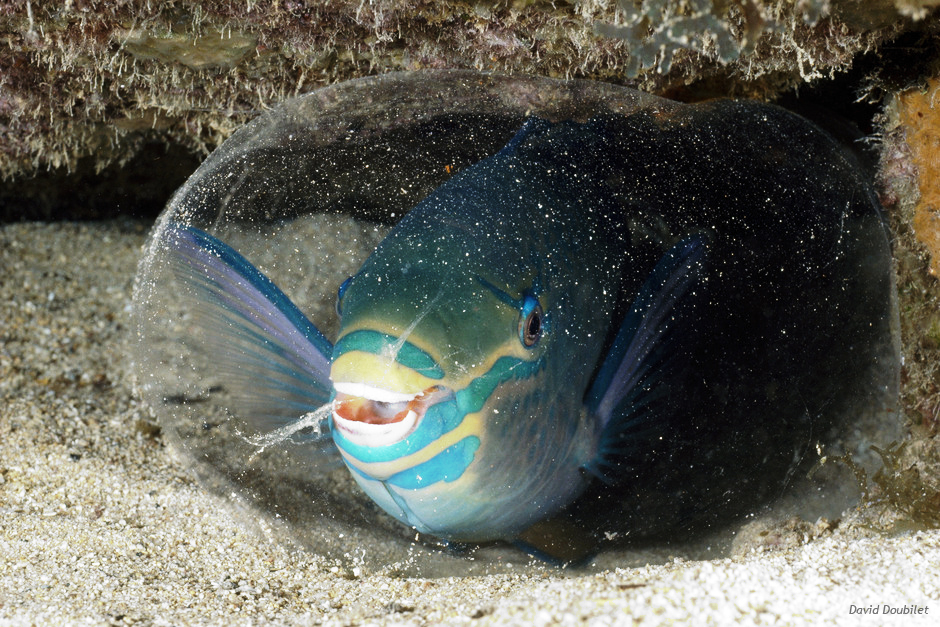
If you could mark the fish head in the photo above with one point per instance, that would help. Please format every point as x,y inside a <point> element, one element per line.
<point>458,400</point>
<point>409,338</point>
<point>431,361</point>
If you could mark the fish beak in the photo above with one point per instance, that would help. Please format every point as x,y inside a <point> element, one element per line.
<point>371,416</point>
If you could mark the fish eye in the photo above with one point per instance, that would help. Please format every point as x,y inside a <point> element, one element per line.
<point>340,293</point>
<point>530,324</point>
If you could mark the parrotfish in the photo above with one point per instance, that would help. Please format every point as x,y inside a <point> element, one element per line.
<point>626,323</point>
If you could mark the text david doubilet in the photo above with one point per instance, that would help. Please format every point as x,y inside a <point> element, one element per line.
<point>886,608</point>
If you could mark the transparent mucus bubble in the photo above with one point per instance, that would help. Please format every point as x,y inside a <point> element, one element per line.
<point>306,191</point>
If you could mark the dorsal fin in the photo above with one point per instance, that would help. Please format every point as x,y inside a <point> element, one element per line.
<point>532,126</point>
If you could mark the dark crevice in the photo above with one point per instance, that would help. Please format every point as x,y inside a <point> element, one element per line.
<point>138,189</point>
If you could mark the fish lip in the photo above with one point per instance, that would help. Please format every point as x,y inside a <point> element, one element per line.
<point>374,430</point>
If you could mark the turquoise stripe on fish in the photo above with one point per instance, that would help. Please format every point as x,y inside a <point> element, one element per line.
<point>408,355</point>
<point>447,466</point>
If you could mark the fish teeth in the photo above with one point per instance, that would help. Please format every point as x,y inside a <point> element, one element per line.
<point>372,393</point>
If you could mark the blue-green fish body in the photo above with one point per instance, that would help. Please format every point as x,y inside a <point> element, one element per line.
<point>493,298</point>
<point>629,323</point>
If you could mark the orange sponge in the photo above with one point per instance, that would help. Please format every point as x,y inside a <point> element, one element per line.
<point>920,115</point>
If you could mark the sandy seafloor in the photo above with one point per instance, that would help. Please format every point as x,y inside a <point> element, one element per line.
<point>102,524</point>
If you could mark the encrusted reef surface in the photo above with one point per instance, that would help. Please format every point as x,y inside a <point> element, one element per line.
<point>107,105</point>
<point>85,84</point>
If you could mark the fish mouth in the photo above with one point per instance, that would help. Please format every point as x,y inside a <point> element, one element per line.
<point>371,416</point>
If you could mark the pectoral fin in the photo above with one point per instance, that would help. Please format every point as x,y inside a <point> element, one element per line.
<point>273,361</point>
<point>647,351</point>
